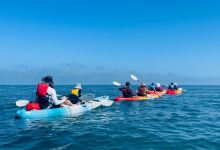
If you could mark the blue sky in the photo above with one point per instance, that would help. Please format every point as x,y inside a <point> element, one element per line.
<point>95,42</point>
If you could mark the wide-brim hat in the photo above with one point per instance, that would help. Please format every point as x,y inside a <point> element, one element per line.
<point>142,84</point>
<point>157,84</point>
<point>78,86</point>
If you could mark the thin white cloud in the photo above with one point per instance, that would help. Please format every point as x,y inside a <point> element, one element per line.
<point>71,73</point>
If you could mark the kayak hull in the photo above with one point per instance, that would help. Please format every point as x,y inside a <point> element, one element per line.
<point>157,93</point>
<point>63,111</point>
<point>136,98</point>
<point>175,92</point>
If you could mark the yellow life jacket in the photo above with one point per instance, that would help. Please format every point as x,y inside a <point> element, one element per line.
<point>75,91</point>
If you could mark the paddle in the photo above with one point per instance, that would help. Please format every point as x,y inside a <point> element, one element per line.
<point>103,99</point>
<point>133,77</point>
<point>87,96</point>
<point>116,83</point>
<point>21,103</point>
<point>106,102</point>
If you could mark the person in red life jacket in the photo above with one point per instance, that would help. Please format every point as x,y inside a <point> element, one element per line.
<point>158,88</point>
<point>142,90</point>
<point>46,95</point>
<point>126,91</point>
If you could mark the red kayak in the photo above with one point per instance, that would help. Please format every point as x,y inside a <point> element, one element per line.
<point>174,92</point>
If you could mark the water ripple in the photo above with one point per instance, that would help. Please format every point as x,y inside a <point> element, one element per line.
<point>187,121</point>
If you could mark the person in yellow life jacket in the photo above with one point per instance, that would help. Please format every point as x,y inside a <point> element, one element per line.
<point>75,94</point>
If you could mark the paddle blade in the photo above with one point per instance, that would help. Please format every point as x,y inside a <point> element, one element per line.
<point>88,96</point>
<point>106,102</point>
<point>21,103</point>
<point>181,89</point>
<point>101,98</point>
<point>116,83</point>
<point>133,77</point>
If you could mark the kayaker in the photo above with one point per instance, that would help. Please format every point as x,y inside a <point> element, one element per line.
<point>126,91</point>
<point>171,87</point>
<point>75,94</point>
<point>175,86</point>
<point>158,87</point>
<point>142,90</point>
<point>152,87</point>
<point>46,95</point>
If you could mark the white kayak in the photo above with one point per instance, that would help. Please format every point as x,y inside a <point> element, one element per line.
<point>66,110</point>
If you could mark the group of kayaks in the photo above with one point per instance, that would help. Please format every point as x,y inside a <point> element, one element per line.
<point>150,95</point>
<point>88,105</point>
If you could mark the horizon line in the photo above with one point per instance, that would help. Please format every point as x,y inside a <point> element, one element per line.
<point>106,84</point>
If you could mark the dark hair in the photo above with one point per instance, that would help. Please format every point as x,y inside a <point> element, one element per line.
<point>127,83</point>
<point>48,79</point>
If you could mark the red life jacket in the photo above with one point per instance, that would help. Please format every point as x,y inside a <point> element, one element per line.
<point>42,89</point>
<point>142,90</point>
<point>126,92</point>
<point>159,89</point>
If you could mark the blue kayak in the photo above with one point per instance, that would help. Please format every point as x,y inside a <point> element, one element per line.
<point>66,110</point>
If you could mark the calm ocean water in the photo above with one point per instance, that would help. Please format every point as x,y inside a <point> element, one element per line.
<point>187,121</point>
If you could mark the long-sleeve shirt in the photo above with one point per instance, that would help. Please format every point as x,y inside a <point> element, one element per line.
<point>53,96</point>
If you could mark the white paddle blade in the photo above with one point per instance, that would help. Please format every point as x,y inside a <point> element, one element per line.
<point>21,103</point>
<point>101,98</point>
<point>181,89</point>
<point>106,102</point>
<point>133,77</point>
<point>116,83</point>
<point>87,97</point>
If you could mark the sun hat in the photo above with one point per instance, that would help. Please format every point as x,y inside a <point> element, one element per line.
<point>78,86</point>
<point>158,85</point>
